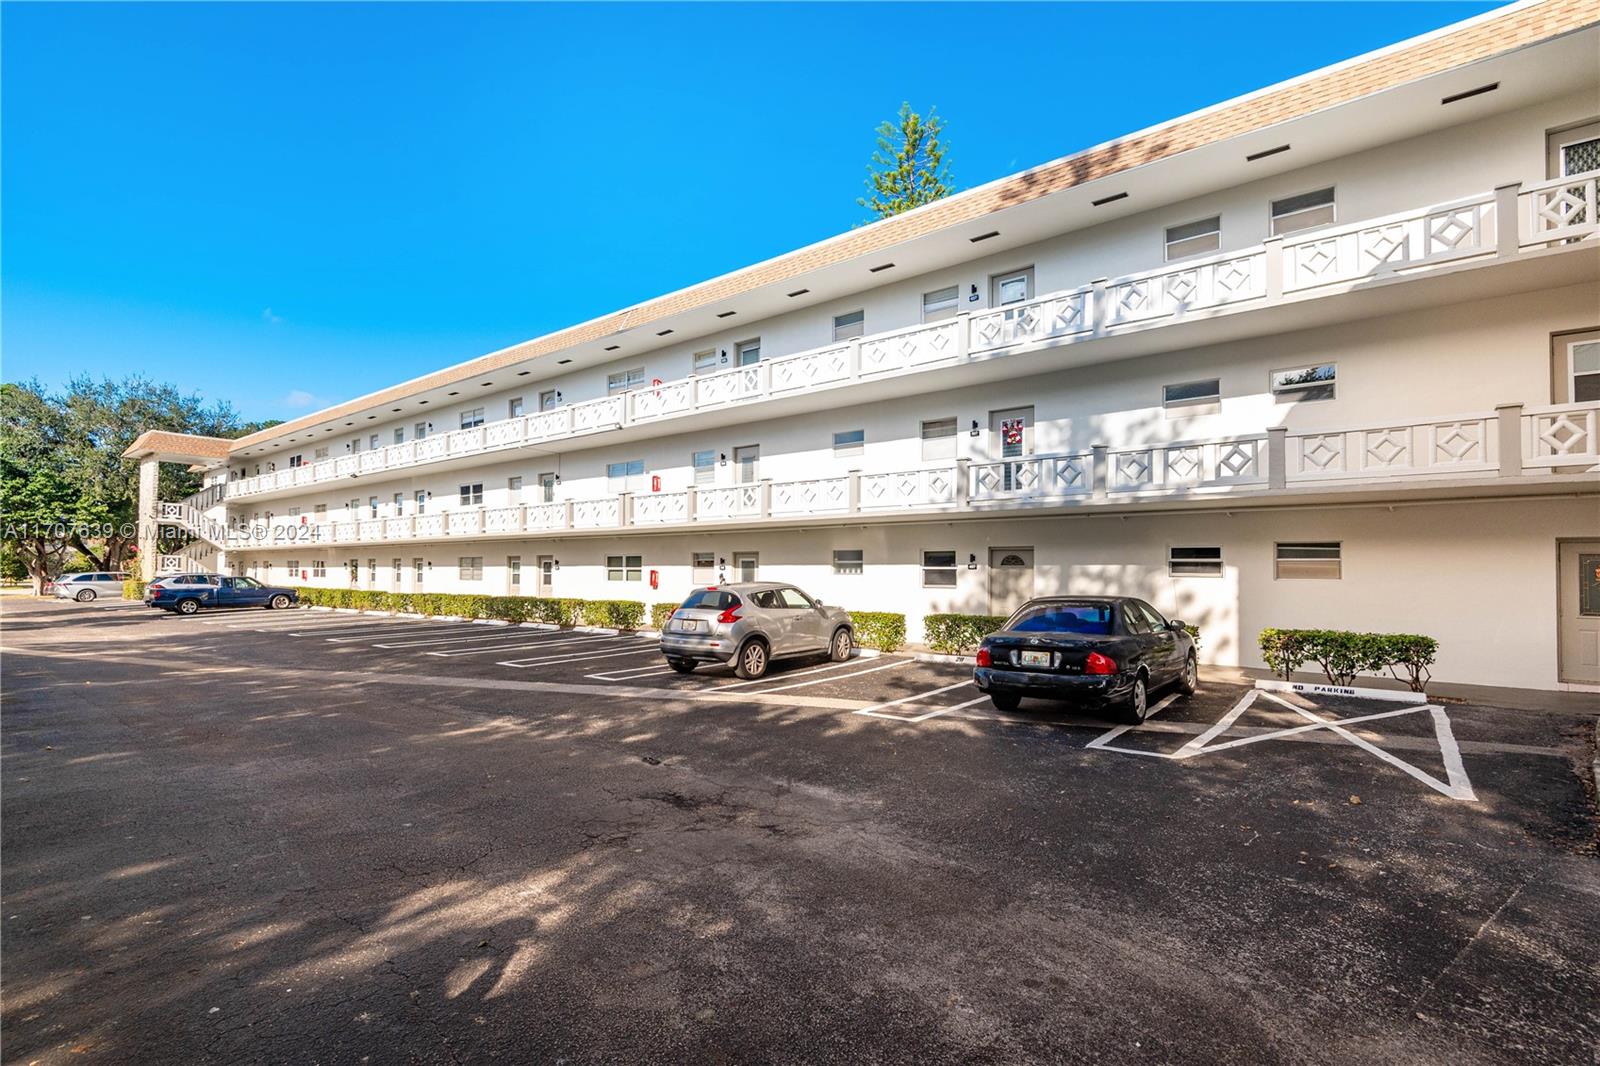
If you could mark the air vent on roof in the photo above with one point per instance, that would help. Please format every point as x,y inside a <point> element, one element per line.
<point>874,270</point>
<point>984,236</point>
<point>452,394</point>
<point>1479,91</point>
<point>1253,156</point>
<point>421,402</point>
<point>662,332</point>
<point>798,292</point>
<point>524,373</point>
<point>563,362</point>
<point>1113,198</point>
<point>613,348</point>
<point>395,410</point>
<point>726,314</point>
<point>485,384</point>
<point>371,417</point>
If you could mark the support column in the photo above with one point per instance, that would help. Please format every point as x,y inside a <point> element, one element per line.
<point>149,488</point>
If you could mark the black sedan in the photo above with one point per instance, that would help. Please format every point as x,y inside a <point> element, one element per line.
<point>1107,650</point>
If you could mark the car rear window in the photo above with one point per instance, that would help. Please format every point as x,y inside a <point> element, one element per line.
<point>711,599</point>
<point>1092,619</point>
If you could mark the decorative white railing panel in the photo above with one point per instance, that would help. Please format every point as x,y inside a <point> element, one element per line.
<point>1563,209</point>
<point>345,532</point>
<point>502,520</point>
<point>733,501</point>
<point>431,448</point>
<point>910,348</point>
<point>1062,315</point>
<point>370,529</point>
<point>398,528</point>
<point>504,433</point>
<point>658,401</point>
<point>546,516</point>
<point>552,423</point>
<point>402,454</point>
<point>464,441</point>
<point>1042,477</point>
<point>657,508</point>
<point>1183,465</point>
<point>604,413</point>
<point>1568,435</point>
<point>800,372</point>
<point>603,513</point>
<point>1466,445</point>
<point>430,525</point>
<point>908,488</point>
<point>1188,287</point>
<point>1385,245</point>
<point>727,386</point>
<point>465,522</point>
<point>830,495</point>
<point>346,465</point>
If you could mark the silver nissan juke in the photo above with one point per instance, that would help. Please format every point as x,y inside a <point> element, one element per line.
<point>752,624</point>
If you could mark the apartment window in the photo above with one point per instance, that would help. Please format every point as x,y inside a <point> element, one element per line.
<point>421,499</point>
<point>372,443</point>
<point>319,568</point>
<point>372,507</point>
<point>294,512</point>
<point>399,504</point>
<point>1306,211</point>
<point>293,566</point>
<point>849,325</point>
<point>514,407</point>
<point>420,430</point>
<point>513,490</point>
<point>939,570</point>
<point>547,488</point>
<point>848,561</point>
<point>1576,377</point>
<point>294,461</point>
<point>748,352</point>
<point>319,510</point>
<point>372,571</point>
<point>707,362</point>
<point>1314,560</point>
<point>624,380</point>
<point>746,460</point>
<point>470,568</point>
<point>705,468</point>
<point>319,453</point>
<point>940,303</point>
<point>849,442</point>
<point>1305,382</point>
<point>400,435</point>
<point>416,573</point>
<point>471,418</point>
<point>514,572</point>
<point>703,568</point>
<point>938,439</point>
<point>548,400</point>
<point>1192,397</point>
<point>619,475</point>
<point>354,446</point>
<point>354,510</point>
<point>472,495</point>
<point>1194,238</point>
<point>1194,562</point>
<point>624,567</point>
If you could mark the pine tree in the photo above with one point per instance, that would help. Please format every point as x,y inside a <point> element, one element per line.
<point>909,168</point>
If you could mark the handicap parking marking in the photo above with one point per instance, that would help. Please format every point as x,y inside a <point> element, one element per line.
<point>1456,785</point>
<point>573,643</point>
<point>523,664</point>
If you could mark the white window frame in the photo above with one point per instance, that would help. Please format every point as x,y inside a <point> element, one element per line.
<point>941,308</point>
<point>624,567</point>
<point>850,325</point>
<point>849,562</point>
<point>1278,222</point>
<point>319,568</point>
<point>705,473</point>
<point>472,418</point>
<point>707,362</point>
<point>849,442</point>
<point>1186,560</point>
<point>469,568</point>
<point>702,567</point>
<point>1172,243</point>
<point>1202,403</point>
<point>1298,393</point>
<point>942,446</point>
<point>471,494</point>
<point>929,569</point>
<point>625,380</point>
<point>620,475</point>
<point>1336,559</point>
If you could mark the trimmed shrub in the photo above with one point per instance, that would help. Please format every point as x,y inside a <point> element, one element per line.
<point>956,634</point>
<point>133,589</point>
<point>614,614</point>
<point>1344,655</point>
<point>659,613</point>
<point>879,630</point>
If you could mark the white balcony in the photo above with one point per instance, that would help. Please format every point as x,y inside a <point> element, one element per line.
<point>1502,224</point>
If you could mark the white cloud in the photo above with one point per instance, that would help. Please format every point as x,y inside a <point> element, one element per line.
<point>269,318</point>
<point>299,398</point>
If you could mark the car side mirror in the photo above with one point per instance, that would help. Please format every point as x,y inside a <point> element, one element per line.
<point>1177,626</point>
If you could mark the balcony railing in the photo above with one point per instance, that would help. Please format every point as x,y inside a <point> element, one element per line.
<point>1549,213</point>
<point>1510,441</point>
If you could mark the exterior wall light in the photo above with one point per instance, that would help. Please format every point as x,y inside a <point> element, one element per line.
<point>972,561</point>
<point>723,456</point>
<point>974,432</point>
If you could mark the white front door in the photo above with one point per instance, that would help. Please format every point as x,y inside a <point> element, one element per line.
<point>547,574</point>
<point>746,565</point>
<point>1579,604</point>
<point>1010,579</point>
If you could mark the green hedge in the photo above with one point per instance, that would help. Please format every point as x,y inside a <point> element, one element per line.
<point>880,630</point>
<point>1343,654</point>
<point>659,613</point>
<point>133,589</point>
<point>956,634</point>
<point>616,614</point>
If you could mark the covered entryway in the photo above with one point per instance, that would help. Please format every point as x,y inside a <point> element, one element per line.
<point>1579,604</point>
<point>1010,579</point>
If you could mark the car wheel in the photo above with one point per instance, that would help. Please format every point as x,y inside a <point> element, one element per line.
<point>188,606</point>
<point>842,645</point>
<point>1005,701</point>
<point>751,662</point>
<point>1137,706</point>
<point>85,596</point>
<point>1190,679</point>
<point>278,602</point>
<point>683,666</point>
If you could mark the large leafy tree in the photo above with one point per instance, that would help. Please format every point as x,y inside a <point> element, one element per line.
<point>909,167</point>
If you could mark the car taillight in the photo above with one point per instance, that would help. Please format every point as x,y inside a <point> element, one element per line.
<point>729,616</point>
<point>1099,664</point>
<point>985,658</point>
<point>153,588</point>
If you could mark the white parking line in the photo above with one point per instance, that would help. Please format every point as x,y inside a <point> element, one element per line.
<point>523,664</point>
<point>797,673</point>
<point>628,673</point>
<point>875,711</point>
<point>1109,735</point>
<point>501,648</point>
<point>478,633</point>
<point>825,680</point>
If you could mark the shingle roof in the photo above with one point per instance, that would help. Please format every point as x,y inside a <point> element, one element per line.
<point>1515,27</point>
<point>178,445</point>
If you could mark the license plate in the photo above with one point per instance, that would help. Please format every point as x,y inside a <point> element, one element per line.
<point>688,625</point>
<point>1034,658</point>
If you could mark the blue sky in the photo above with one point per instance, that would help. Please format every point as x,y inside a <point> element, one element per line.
<point>285,206</point>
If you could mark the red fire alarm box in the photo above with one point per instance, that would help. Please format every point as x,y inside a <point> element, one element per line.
<point>302,575</point>
<point>655,482</point>
<point>655,579</point>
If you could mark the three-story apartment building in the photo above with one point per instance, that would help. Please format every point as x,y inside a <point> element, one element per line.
<point>1324,355</point>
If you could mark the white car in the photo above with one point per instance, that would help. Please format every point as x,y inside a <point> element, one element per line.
<point>90,586</point>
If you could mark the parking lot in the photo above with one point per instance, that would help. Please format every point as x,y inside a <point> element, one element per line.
<point>324,836</point>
